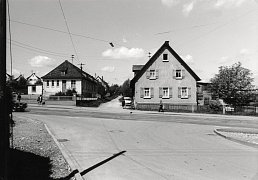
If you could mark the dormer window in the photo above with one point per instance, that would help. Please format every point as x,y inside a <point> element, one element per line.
<point>63,73</point>
<point>152,74</point>
<point>165,57</point>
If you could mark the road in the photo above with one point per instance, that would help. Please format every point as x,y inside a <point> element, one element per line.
<point>158,146</point>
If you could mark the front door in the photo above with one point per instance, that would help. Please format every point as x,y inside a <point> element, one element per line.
<point>63,85</point>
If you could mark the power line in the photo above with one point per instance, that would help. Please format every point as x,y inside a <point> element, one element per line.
<point>67,27</point>
<point>35,50</point>
<point>220,26</point>
<point>33,47</point>
<point>79,35</point>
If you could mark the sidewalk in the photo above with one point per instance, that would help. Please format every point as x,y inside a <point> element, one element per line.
<point>246,136</point>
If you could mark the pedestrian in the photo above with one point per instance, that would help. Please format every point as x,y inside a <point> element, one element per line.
<point>123,102</point>
<point>19,97</point>
<point>40,99</point>
<point>161,106</point>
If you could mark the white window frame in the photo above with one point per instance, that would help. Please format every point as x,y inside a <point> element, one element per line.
<point>145,90</point>
<point>184,96</point>
<point>52,83</point>
<point>166,60</point>
<point>47,83</point>
<point>181,75</point>
<point>57,83</point>
<point>152,74</point>
<point>163,92</point>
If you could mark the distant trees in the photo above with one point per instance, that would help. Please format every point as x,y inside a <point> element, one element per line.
<point>125,89</point>
<point>233,84</point>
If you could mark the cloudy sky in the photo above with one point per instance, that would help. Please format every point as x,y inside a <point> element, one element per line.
<point>205,33</point>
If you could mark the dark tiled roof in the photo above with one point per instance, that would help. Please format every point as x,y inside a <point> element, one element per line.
<point>156,55</point>
<point>137,67</point>
<point>71,72</point>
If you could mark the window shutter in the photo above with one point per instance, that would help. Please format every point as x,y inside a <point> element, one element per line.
<point>141,92</point>
<point>160,92</point>
<point>152,92</point>
<point>183,74</point>
<point>170,92</point>
<point>157,73</point>
<point>174,74</point>
<point>148,74</point>
<point>179,92</point>
<point>189,92</point>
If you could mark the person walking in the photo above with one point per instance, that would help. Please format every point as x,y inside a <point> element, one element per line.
<point>161,106</point>
<point>19,97</point>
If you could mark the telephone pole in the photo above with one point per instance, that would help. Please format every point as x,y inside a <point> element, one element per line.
<point>4,121</point>
<point>81,64</point>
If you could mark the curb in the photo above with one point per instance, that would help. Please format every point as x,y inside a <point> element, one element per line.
<point>216,131</point>
<point>73,165</point>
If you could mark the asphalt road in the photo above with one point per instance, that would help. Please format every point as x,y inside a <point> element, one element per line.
<point>158,146</point>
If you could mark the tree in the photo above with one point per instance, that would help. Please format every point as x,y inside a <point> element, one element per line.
<point>114,89</point>
<point>233,84</point>
<point>125,89</point>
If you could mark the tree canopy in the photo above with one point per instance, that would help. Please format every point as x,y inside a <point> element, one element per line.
<point>233,84</point>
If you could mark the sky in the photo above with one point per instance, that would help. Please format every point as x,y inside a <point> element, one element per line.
<point>207,34</point>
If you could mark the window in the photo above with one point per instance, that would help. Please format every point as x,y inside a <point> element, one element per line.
<point>33,88</point>
<point>57,83</point>
<point>146,93</point>
<point>47,83</point>
<point>152,74</point>
<point>73,84</point>
<point>184,92</point>
<point>53,83</point>
<point>165,93</point>
<point>178,74</point>
<point>165,57</point>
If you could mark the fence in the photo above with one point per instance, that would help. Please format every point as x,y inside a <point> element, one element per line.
<point>239,110</point>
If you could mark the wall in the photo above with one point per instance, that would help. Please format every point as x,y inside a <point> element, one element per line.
<point>38,90</point>
<point>166,79</point>
<point>51,90</point>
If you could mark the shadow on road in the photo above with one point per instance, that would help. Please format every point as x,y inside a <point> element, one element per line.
<point>29,166</point>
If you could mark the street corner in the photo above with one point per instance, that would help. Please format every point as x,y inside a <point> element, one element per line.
<point>246,136</point>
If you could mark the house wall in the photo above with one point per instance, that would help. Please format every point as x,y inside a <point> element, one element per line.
<point>51,90</point>
<point>38,90</point>
<point>165,79</point>
<point>89,89</point>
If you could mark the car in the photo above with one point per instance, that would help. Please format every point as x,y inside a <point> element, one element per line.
<point>18,105</point>
<point>128,102</point>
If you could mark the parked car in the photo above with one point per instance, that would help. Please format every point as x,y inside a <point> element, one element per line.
<point>18,105</point>
<point>128,102</point>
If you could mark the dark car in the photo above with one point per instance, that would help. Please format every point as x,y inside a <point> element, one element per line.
<point>18,105</point>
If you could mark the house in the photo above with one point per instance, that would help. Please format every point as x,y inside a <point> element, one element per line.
<point>204,95</point>
<point>67,76</point>
<point>164,78</point>
<point>34,84</point>
<point>103,83</point>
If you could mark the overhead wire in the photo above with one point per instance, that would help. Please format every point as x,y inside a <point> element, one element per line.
<point>33,47</point>
<point>67,27</point>
<point>220,26</point>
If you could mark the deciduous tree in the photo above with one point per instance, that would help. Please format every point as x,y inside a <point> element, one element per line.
<point>233,84</point>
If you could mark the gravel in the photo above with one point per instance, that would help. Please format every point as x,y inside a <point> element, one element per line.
<point>35,155</point>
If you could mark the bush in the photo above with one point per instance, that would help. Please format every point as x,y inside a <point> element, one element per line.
<point>215,105</point>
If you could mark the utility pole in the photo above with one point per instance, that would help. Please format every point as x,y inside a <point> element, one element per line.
<point>4,121</point>
<point>81,64</point>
